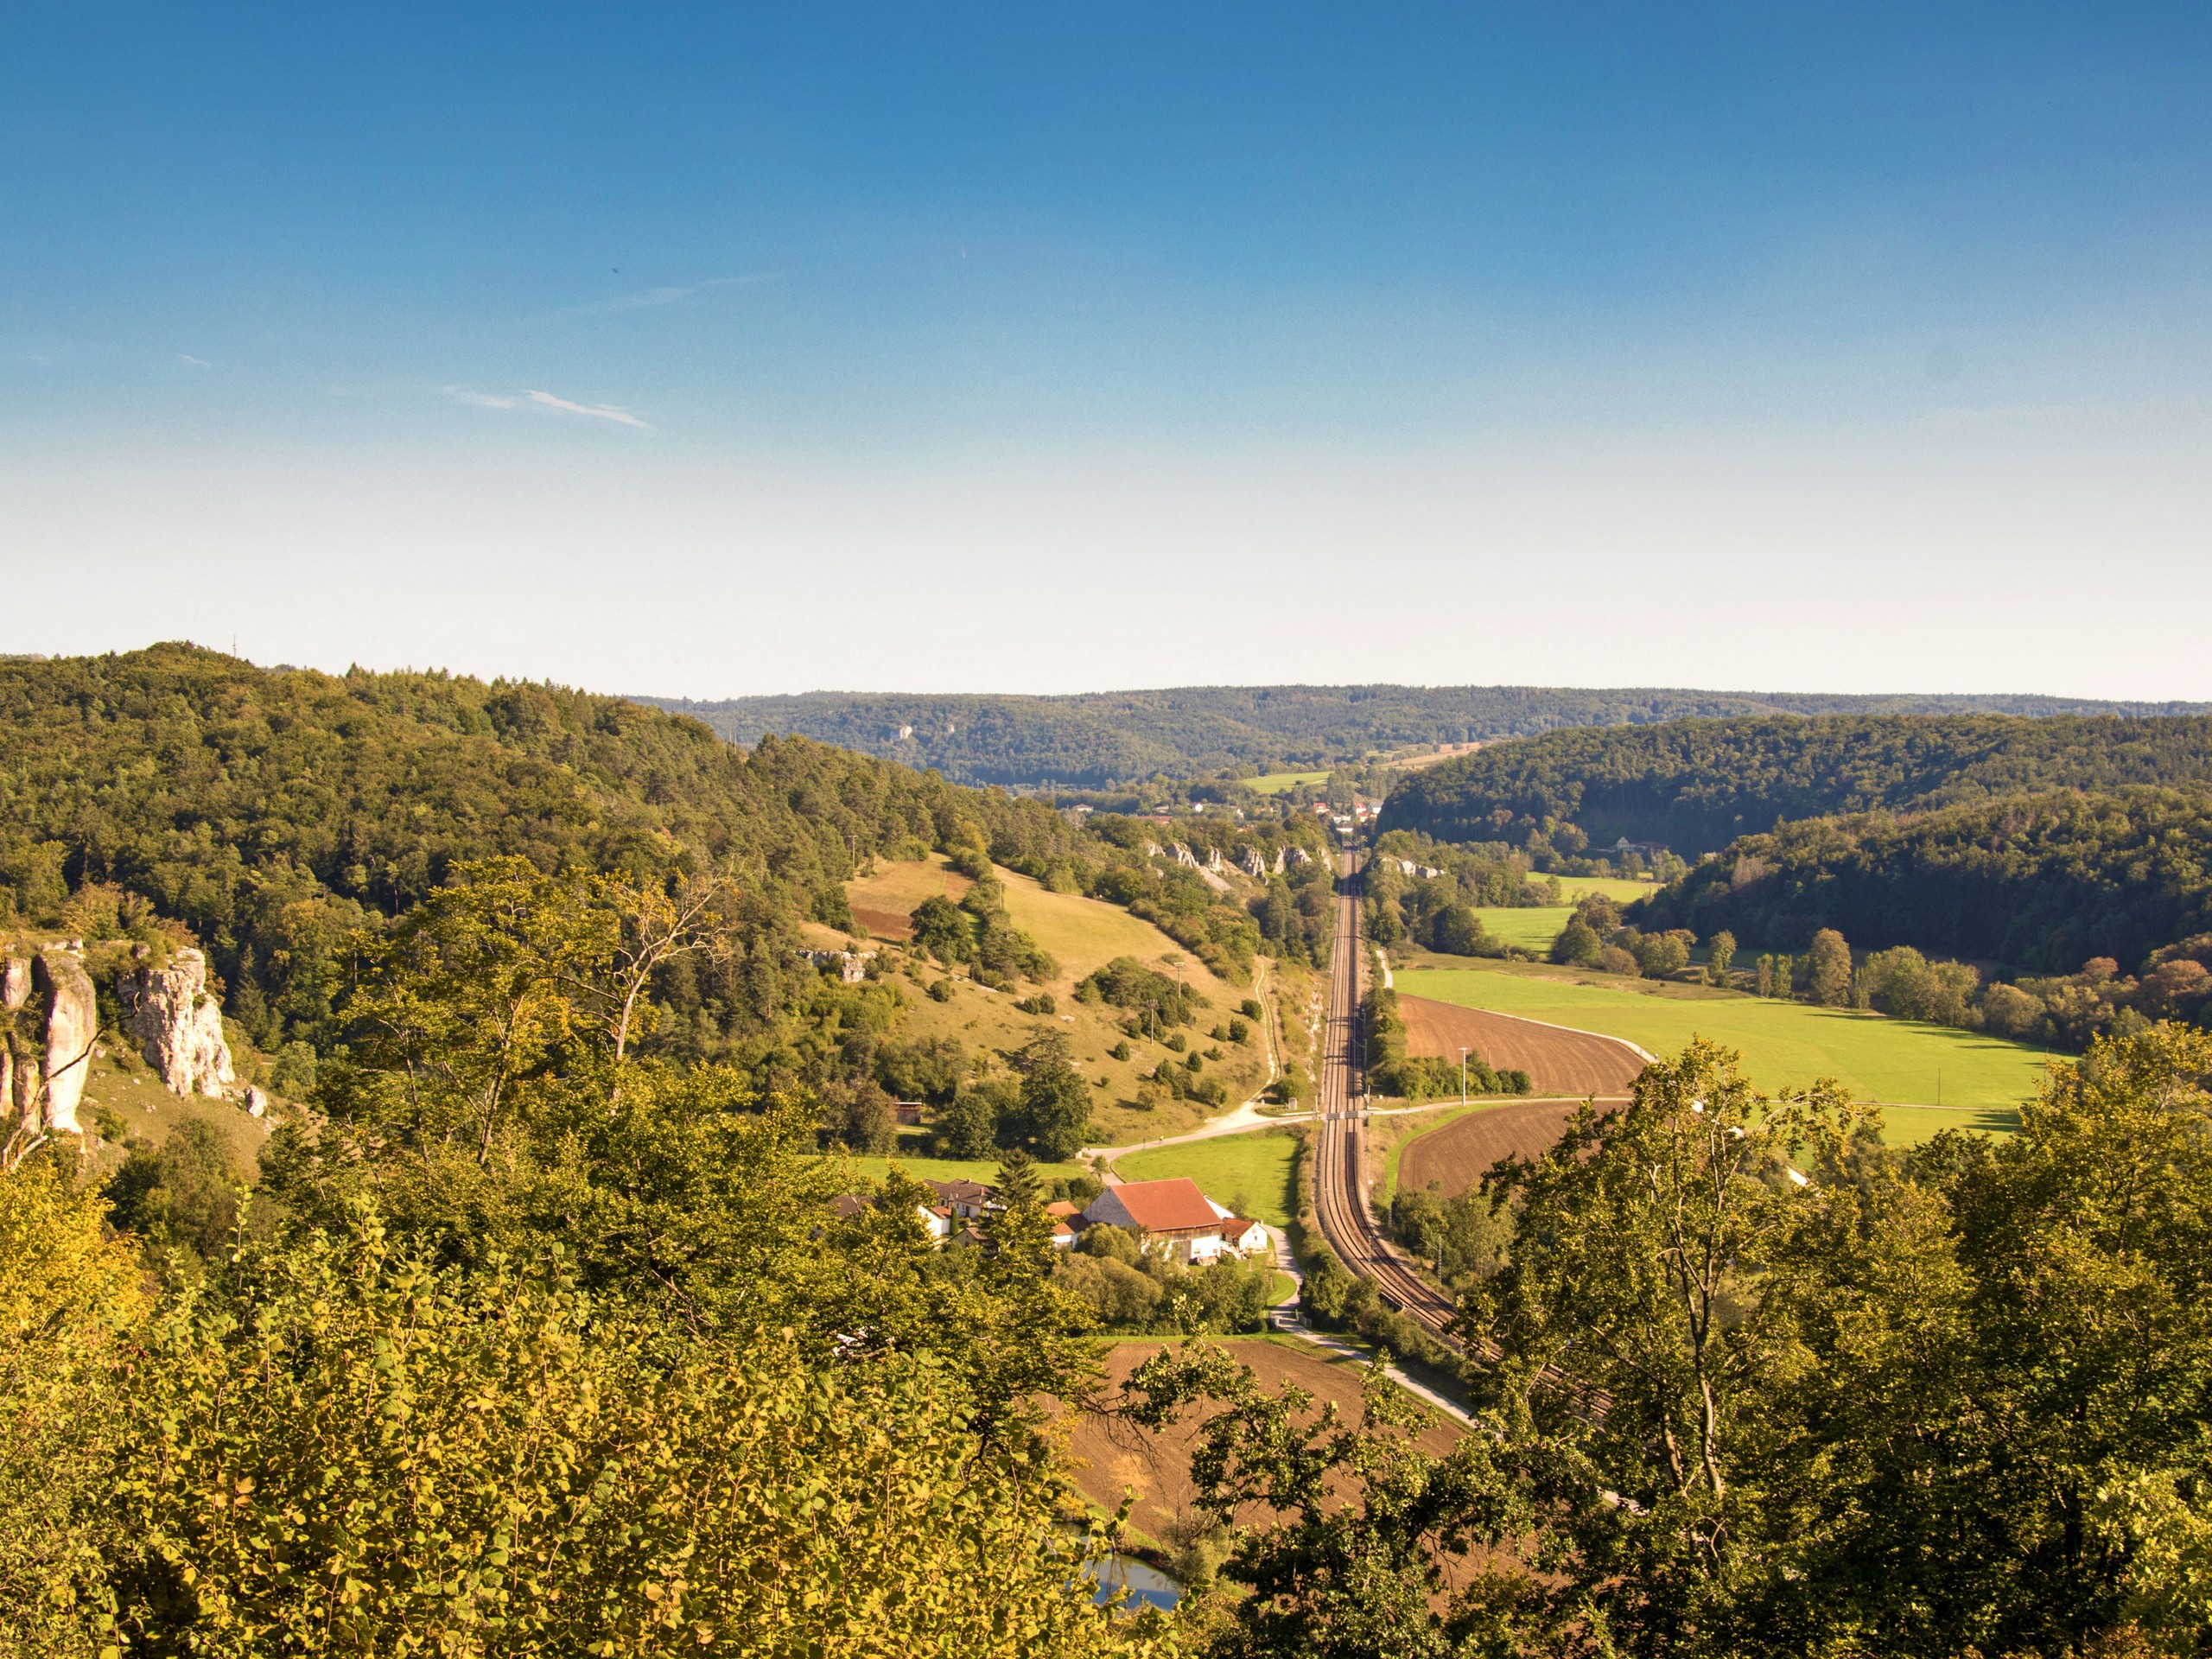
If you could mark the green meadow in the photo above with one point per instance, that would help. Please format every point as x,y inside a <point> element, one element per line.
<point>1277,783</point>
<point>1532,928</point>
<point>1535,927</point>
<point>1979,1079</point>
<point>1619,889</point>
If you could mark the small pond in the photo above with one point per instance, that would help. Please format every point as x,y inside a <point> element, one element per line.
<point>1147,1586</point>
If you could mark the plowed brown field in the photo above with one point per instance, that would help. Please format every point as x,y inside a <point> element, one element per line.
<point>1456,1156</point>
<point>1113,1455</point>
<point>1557,1062</point>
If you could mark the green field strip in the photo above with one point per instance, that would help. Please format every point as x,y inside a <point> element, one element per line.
<point>1784,1045</point>
<point>1530,928</point>
<point>1282,783</point>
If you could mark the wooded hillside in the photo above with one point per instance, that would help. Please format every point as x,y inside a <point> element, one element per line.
<point>1115,737</point>
<point>1696,785</point>
<point>2039,883</point>
<point>274,813</point>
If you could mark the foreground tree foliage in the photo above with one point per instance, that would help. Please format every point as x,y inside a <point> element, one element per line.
<point>70,1300</point>
<point>345,1447</point>
<point>1755,1385</point>
<point>535,1348</point>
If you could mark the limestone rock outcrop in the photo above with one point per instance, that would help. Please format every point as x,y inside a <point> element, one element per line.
<point>73,1022</point>
<point>15,991</point>
<point>178,1026</point>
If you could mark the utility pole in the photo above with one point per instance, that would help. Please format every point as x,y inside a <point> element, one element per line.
<point>1463,1076</point>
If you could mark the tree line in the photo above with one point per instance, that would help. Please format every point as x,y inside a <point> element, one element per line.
<point>1104,740</point>
<point>2033,884</point>
<point>1696,785</point>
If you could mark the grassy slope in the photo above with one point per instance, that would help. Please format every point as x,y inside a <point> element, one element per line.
<point>1237,1170</point>
<point>1783,1043</point>
<point>894,888</point>
<point>1082,934</point>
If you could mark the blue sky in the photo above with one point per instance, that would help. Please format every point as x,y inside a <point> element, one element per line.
<point>724,349</point>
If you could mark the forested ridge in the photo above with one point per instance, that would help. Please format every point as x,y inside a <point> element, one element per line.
<point>1696,785</point>
<point>2037,883</point>
<point>1097,741</point>
<point>280,819</point>
<point>276,813</point>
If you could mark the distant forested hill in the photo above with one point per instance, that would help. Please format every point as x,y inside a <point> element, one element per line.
<point>1696,785</point>
<point>2036,882</point>
<point>1114,737</point>
<point>276,813</point>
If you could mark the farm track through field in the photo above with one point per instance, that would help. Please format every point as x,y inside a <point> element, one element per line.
<point>1558,1061</point>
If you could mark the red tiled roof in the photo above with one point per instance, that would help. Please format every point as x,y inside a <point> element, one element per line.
<point>1062,1207</point>
<point>1166,1206</point>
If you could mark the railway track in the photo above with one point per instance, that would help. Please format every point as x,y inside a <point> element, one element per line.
<point>1340,1187</point>
<point>1340,1190</point>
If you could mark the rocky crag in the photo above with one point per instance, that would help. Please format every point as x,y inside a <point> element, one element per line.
<point>178,1024</point>
<point>53,1019</point>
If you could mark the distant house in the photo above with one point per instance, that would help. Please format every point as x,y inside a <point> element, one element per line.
<point>1243,1235</point>
<point>1175,1214</point>
<point>967,1199</point>
<point>907,1114</point>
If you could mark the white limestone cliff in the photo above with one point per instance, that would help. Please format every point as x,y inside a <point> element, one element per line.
<point>73,1022</point>
<point>178,1024</point>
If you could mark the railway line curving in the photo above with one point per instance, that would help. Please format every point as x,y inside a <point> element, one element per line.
<point>1340,1191</point>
